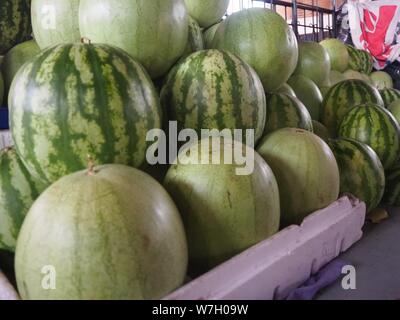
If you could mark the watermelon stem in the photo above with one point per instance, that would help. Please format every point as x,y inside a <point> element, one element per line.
<point>85,40</point>
<point>91,166</point>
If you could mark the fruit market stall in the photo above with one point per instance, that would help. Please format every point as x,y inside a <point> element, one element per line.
<point>187,149</point>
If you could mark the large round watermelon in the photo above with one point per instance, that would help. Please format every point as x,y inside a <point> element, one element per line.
<point>55,22</point>
<point>314,62</point>
<point>285,111</point>
<point>207,12</point>
<point>361,171</point>
<point>15,23</point>
<point>102,242</point>
<point>308,93</point>
<point>344,96</point>
<point>392,191</point>
<point>224,213</point>
<point>195,40</point>
<point>355,59</point>
<point>338,54</point>
<point>306,171</point>
<point>18,190</point>
<point>263,39</point>
<point>213,89</point>
<point>155,33</point>
<point>79,99</point>
<point>376,127</point>
<point>209,34</point>
<point>389,95</point>
<point>381,80</point>
<point>15,58</point>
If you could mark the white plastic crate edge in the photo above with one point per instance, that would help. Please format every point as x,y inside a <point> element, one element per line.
<point>280,264</point>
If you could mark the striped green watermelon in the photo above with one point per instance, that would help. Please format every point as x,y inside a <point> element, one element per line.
<point>321,131</point>
<point>1,89</point>
<point>394,108</point>
<point>308,93</point>
<point>207,12</point>
<point>305,169</point>
<point>18,190</point>
<point>79,99</point>
<point>285,111</point>
<point>344,96</point>
<point>361,171</point>
<point>376,127</point>
<point>389,95</point>
<point>392,191</point>
<point>55,22</point>
<point>15,58</point>
<point>15,23</point>
<point>155,33</point>
<point>213,89</point>
<point>209,34</point>
<point>355,58</point>
<point>195,42</point>
<point>224,213</point>
<point>263,39</point>
<point>110,233</point>
<point>368,62</point>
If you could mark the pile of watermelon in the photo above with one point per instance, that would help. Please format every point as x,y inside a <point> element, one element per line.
<point>77,190</point>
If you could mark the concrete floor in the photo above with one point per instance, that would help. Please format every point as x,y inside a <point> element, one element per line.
<point>376,259</point>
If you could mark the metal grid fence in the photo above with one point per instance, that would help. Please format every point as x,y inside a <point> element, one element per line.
<point>310,19</point>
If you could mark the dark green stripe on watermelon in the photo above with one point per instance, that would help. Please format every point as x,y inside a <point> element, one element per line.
<point>213,89</point>
<point>389,95</point>
<point>392,191</point>
<point>18,190</point>
<point>15,23</point>
<point>375,127</point>
<point>72,101</point>
<point>361,171</point>
<point>344,96</point>
<point>286,111</point>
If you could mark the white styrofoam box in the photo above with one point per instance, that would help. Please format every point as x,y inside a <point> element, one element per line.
<point>5,139</point>
<point>7,291</point>
<point>275,267</point>
<point>280,264</point>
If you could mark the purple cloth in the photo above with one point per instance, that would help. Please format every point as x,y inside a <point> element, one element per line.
<point>325,277</point>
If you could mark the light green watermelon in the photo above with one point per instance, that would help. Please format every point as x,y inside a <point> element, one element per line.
<point>285,111</point>
<point>209,34</point>
<point>338,54</point>
<point>314,62</point>
<point>213,89</point>
<point>361,171</point>
<point>308,93</point>
<point>79,99</point>
<point>15,58</point>
<point>354,75</point>
<point>321,131</point>
<point>286,89</point>
<point>375,126</point>
<point>18,190</point>
<point>155,33</point>
<point>110,233</point>
<point>389,95</point>
<point>15,23</point>
<point>305,169</point>
<point>224,213</point>
<point>344,96</point>
<point>264,40</point>
<point>207,12</point>
<point>381,80</point>
<point>335,77</point>
<point>55,22</point>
